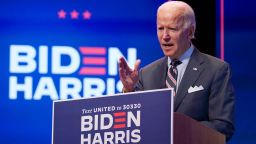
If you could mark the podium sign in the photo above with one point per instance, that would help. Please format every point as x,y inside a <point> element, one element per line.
<point>134,118</point>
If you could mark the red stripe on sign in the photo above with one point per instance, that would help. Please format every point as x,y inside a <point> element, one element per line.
<point>93,50</point>
<point>117,126</point>
<point>119,114</point>
<point>94,60</point>
<point>92,71</point>
<point>120,120</point>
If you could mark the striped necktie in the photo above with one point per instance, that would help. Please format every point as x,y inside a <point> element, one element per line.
<point>172,74</point>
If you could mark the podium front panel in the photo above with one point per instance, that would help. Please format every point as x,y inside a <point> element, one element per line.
<point>139,117</point>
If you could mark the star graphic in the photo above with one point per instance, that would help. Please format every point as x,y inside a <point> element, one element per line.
<point>74,14</point>
<point>87,15</point>
<point>62,14</point>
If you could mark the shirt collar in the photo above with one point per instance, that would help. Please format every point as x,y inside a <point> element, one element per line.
<point>186,55</point>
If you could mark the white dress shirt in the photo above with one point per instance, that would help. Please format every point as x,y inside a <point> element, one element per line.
<point>185,57</point>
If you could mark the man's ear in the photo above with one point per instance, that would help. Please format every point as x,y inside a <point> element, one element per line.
<point>191,32</point>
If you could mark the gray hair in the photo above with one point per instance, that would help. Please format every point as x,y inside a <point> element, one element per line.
<point>188,14</point>
<point>189,17</point>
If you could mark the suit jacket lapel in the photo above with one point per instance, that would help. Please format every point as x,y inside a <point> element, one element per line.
<point>190,76</point>
<point>162,72</point>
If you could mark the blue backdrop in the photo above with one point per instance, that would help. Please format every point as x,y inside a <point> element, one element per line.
<point>240,20</point>
<point>39,40</point>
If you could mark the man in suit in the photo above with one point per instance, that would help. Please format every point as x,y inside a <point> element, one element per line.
<point>202,84</point>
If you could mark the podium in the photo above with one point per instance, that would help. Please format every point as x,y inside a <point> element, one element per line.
<point>145,117</point>
<point>188,131</point>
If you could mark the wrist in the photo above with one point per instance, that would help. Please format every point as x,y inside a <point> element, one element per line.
<point>124,90</point>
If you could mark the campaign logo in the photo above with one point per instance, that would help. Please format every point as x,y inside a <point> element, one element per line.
<point>62,72</point>
<point>111,127</point>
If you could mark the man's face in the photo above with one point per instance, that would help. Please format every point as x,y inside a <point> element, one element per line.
<point>173,38</point>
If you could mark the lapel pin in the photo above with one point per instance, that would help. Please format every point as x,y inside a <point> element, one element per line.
<point>195,69</point>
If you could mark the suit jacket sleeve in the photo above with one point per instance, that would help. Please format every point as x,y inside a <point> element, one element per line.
<point>221,102</point>
<point>139,84</point>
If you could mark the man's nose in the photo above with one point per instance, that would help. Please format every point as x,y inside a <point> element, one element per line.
<point>166,36</point>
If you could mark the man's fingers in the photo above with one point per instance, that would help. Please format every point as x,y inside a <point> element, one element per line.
<point>122,69</point>
<point>136,65</point>
<point>123,66</point>
<point>123,63</point>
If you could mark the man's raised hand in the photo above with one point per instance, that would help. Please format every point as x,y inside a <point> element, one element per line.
<point>128,76</point>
